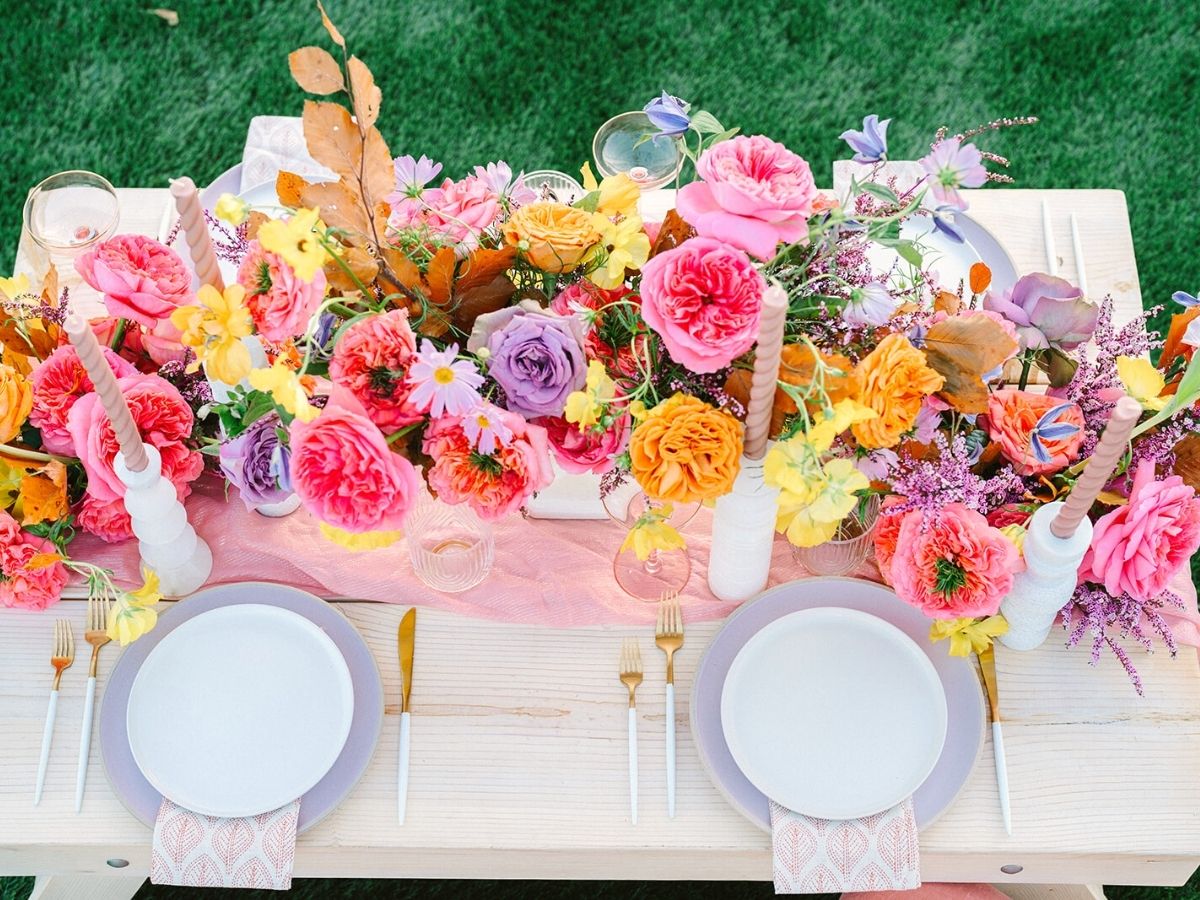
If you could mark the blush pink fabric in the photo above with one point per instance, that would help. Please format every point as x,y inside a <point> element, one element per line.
<point>547,571</point>
<point>934,892</point>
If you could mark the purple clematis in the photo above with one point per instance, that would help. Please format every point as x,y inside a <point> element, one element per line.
<point>1048,428</point>
<point>870,304</point>
<point>953,165</point>
<point>668,114</point>
<point>1184,299</point>
<point>1048,312</point>
<point>870,144</point>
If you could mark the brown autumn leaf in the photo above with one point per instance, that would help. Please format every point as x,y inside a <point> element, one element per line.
<point>947,302</point>
<point>50,292</point>
<point>255,221</point>
<point>43,494</point>
<point>359,261</point>
<point>340,207</point>
<point>1187,460</point>
<point>333,32</point>
<point>797,367</point>
<point>961,349</point>
<point>482,267</point>
<point>315,70</point>
<point>31,340</point>
<point>379,173</point>
<point>674,231</point>
<point>332,138</point>
<point>367,95</point>
<point>980,276</point>
<point>439,276</point>
<point>289,187</point>
<point>434,323</point>
<point>402,269</point>
<point>470,304</point>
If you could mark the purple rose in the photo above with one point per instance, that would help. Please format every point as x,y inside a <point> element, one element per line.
<point>534,354</point>
<point>257,464</point>
<point>1048,312</point>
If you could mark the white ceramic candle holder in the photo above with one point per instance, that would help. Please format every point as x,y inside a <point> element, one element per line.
<point>743,535</point>
<point>166,540</point>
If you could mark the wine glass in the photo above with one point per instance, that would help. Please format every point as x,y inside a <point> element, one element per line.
<point>849,547</point>
<point>662,570</point>
<point>450,547</point>
<point>69,213</point>
<point>619,146</point>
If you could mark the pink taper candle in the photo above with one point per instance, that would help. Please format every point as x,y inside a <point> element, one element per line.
<point>106,386</point>
<point>195,230</point>
<point>1100,467</point>
<point>767,356</point>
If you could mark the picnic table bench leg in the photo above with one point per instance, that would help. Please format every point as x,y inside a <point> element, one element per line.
<point>93,887</point>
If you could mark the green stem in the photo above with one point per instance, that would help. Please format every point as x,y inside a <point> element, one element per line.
<point>1026,365</point>
<point>31,455</point>
<point>119,334</point>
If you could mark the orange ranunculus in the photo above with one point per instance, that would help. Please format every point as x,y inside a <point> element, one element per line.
<point>892,379</point>
<point>685,450</point>
<point>796,367</point>
<point>553,236</point>
<point>16,400</point>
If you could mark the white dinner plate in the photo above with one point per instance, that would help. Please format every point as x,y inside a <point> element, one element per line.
<point>240,710</point>
<point>833,713</point>
<point>948,259</point>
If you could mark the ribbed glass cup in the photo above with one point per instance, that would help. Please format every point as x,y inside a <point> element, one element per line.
<point>849,547</point>
<point>451,548</point>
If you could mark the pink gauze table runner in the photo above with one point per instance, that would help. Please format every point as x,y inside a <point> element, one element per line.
<point>547,571</point>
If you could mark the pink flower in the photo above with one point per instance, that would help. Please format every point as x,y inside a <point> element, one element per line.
<point>583,295</point>
<point>459,210</point>
<point>953,564</point>
<point>491,484</point>
<point>442,383</point>
<point>1017,421</point>
<point>344,471</point>
<point>1138,547</point>
<point>755,194</point>
<point>107,519</point>
<point>280,303</point>
<point>887,532</point>
<point>23,585</point>
<point>587,451</point>
<point>372,361</point>
<point>704,299</point>
<point>140,278</point>
<point>162,416</point>
<point>485,429</point>
<point>58,381</point>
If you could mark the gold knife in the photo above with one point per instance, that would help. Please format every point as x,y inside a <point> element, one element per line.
<point>987,665</point>
<point>406,636</point>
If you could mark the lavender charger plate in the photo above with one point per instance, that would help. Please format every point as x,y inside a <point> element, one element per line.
<point>964,695</point>
<point>127,780</point>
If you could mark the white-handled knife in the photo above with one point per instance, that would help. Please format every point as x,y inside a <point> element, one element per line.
<point>987,665</point>
<point>405,640</point>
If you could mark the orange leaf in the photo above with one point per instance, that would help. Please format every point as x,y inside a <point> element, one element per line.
<point>674,231</point>
<point>340,206</point>
<point>253,222</point>
<point>482,298</point>
<point>332,137</point>
<point>439,276</point>
<point>289,187</point>
<point>379,174</point>
<point>32,340</point>
<point>797,367</point>
<point>961,349</point>
<point>403,270</point>
<point>50,293</point>
<point>1174,346</point>
<point>315,70</point>
<point>333,32</point>
<point>1187,460</point>
<point>359,261</point>
<point>367,95</point>
<point>482,266</point>
<point>979,278</point>
<point>43,494</point>
<point>947,302</point>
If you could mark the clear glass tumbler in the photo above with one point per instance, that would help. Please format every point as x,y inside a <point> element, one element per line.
<point>70,212</point>
<point>450,547</point>
<point>849,547</point>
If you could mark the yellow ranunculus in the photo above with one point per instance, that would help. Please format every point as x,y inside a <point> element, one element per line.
<point>968,635</point>
<point>214,330</point>
<point>584,408</point>
<point>619,194</point>
<point>17,286</point>
<point>651,532</point>
<point>623,244</point>
<point>686,450</point>
<point>1142,381</point>
<point>297,241</point>
<point>16,400</point>
<point>284,387</point>
<point>794,518</point>
<point>365,540</point>
<point>553,237</point>
<point>1015,533</point>
<point>232,209</point>
<point>133,614</point>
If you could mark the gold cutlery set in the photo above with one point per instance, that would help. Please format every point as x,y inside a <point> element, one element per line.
<point>668,637</point>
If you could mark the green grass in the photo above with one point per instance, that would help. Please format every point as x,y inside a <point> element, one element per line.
<point>106,86</point>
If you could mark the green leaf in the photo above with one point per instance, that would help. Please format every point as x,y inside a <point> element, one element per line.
<point>880,192</point>
<point>908,252</point>
<point>588,202</point>
<point>723,136</point>
<point>705,122</point>
<point>1184,397</point>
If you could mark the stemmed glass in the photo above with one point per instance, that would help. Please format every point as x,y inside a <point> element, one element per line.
<point>662,570</point>
<point>68,213</point>
<point>620,145</point>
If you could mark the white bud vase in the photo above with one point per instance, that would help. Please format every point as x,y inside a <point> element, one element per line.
<point>166,540</point>
<point>1051,573</point>
<point>743,536</point>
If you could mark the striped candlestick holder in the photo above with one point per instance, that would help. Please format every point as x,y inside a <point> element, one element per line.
<point>195,231</point>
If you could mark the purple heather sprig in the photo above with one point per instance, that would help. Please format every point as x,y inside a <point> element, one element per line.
<point>928,485</point>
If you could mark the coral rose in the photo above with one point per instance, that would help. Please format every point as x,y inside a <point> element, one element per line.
<point>887,532</point>
<point>755,194</point>
<point>1012,417</point>
<point>953,564</point>
<point>371,360</point>
<point>552,236</point>
<point>685,450</point>
<point>1137,548</point>
<point>25,581</point>
<point>893,379</point>
<point>106,519</point>
<point>164,420</point>
<point>344,471</point>
<point>16,401</point>
<point>58,381</point>
<point>583,295</point>
<point>140,278</point>
<point>704,299</point>
<point>491,484</point>
<point>593,450</point>
<point>280,303</point>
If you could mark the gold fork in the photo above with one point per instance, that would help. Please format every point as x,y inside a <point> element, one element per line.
<point>97,636</point>
<point>668,635</point>
<point>61,657</point>
<point>631,677</point>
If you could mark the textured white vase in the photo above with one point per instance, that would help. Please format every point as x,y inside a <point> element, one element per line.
<point>743,536</point>
<point>1051,573</point>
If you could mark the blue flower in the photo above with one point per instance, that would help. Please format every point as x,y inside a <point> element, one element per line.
<point>870,144</point>
<point>870,304</point>
<point>1049,429</point>
<point>668,114</point>
<point>1184,299</point>
<point>943,221</point>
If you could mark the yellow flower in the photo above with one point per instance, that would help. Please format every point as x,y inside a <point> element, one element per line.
<point>845,413</point>
<point>296,240</point>
<point>968,635</point>
<point>134,613</point>
<point>214,330</point>
<point>584,408</point>
<point>284,387</point>
<point>553,237</point>
<point>794,466</point>
<point>231,209</point>
<point>651,532</point>
<point>638,410</point>
<point>16,400</point>
<point>623,245</point>
<point>17,286</point>
<point>619,194</point>
<point>366,540</point>
<point>1016,534</point>
<point>795,519</point>
<point>825,495</point>
<point>1142,381</point>
<point>837,498</point>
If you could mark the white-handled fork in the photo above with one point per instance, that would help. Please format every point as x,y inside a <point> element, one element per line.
<point>97,636</point>
<point>61,657</point>
<point>668,635</point>
<point>631,677</point>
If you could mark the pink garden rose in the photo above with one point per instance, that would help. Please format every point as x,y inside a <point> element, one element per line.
<point>583,295</point>
<point>58,381</point>
<point>106,519</point>
<point>493,485</point>
<point>1012,419</point>
<point>585,451</point>
<point>24,585</point>
<point>704,299</point>
<point>1137,548</point>
<point>345,472</point>
<point>371,360</point>
<point>280,303</point>
<point>952,564</point>
<point>887,532</point>
<point>162,416</point>
<point>140,278</point>
<point>459,210</point>
<point>755,194</point>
